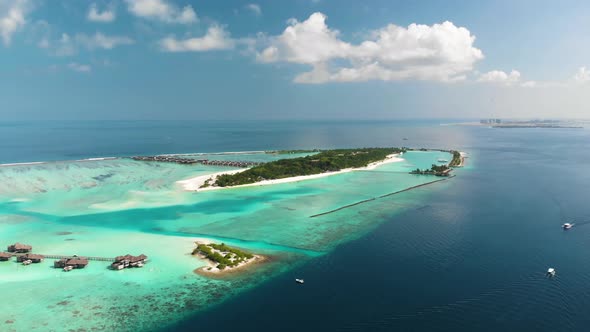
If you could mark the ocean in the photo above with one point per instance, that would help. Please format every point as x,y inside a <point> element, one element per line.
<point>466,254</point>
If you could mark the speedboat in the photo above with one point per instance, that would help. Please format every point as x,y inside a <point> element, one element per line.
<point>551,272</point>
<point>567,226</point>
<point>299,281</point>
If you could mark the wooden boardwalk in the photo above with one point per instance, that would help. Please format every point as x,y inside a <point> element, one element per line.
<point>190,161</point>
<point>90,258</point>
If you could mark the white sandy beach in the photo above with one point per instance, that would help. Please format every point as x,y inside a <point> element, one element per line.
<point>211,267</point>
<point>194,184</point>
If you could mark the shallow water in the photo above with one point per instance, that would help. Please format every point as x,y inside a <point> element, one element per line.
<point>112,207</point>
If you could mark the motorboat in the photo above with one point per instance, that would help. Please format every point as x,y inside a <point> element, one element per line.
<point>299,281</point>
<point>68,268</point>
<point>567,226</point>
<point>551,272</point>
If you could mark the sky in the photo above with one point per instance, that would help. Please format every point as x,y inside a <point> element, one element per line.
<point>298,59</point>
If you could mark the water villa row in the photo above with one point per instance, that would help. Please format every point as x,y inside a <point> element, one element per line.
<point>24,255</point>
<point>188,161</point>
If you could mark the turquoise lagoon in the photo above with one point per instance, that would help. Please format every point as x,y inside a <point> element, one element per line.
<point>113,207</point>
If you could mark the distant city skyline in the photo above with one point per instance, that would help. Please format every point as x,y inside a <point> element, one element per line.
<point>303,59</point>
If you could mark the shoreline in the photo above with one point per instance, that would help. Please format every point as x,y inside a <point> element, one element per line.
<point>194,184</point>
<point>463,156</point>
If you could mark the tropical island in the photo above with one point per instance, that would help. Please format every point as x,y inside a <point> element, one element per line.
<point>223,258</point>
<point>322,162</point>
<point>319,163</point>
<point>438,170</point>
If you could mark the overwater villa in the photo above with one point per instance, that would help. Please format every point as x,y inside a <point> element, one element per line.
<point>19,248</point>
<point>126,261</point>
<point>31,258</point>
<point>4,256</point>
<point>71,263</point>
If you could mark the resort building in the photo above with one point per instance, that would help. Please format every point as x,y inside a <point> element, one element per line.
<point>4,256</point>
<point>125,261</point>
<point>34,258</point>
<point>74,262</point>
<point>20,248</point>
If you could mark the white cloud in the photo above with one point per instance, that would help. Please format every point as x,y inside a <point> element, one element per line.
<point>162,10</point>
<point>69,45</point>
<point>254,8</point>
<point>216,38</point>
<point>12,17</point>
<point>583,75</point>
<point>64,46</point>
<point>441,52</point>
<point>513,78</point>
<point>500,77</point>
<point>99,40</point>
<point>106,16</point>
<point>79,67</point>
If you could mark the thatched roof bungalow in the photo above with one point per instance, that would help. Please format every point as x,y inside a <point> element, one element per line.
<point>122,262</point>
<point>32,257</point>
<point>20,248</point>
<point>75,262</point>
<point>4,256</point>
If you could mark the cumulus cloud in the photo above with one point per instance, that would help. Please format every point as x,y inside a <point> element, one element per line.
<point>106,16</point>
<point>12,18</point>
<point>507,79</point>
<point>501,77</point>
<point>583,75</point>
<point>254,8</point>
<point>79,67</point>
<point>441,52</point>
<point>216,38</point>
<point>162,10</point>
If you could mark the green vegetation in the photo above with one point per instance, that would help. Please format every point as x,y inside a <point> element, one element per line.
<point>456,161</point>
<point>292,151</point>
<point>438,170</point>
<point>325,161</point>
<point>222,254</point>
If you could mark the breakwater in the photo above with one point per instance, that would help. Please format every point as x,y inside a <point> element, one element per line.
<point>378,197</point>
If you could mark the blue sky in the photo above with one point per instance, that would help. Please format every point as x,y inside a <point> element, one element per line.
<point>301,59</point>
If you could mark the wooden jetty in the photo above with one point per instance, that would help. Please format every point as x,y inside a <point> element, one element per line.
<point>166,159</point>
<point>189,161</point>
<point>69,262</point>
<point>90,258</point>
<point>4,256</point>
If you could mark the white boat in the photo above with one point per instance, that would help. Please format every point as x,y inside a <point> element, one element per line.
<point>551,272</point>
<point>68,268</point>
<point>299,281</point>
<point>567,226</point>
<point>443,161</point>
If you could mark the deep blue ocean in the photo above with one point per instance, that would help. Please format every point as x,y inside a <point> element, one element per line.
<point>471,257</point>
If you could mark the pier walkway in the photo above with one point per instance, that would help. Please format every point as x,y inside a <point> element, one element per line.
<point>90,258</point>
<point>189,161</point>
